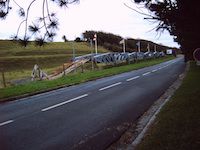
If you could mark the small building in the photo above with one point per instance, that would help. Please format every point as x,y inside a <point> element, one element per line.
<point>169,51</point>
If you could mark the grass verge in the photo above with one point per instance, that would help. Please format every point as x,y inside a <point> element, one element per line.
<point>72,79</point>
<point>177,126</point>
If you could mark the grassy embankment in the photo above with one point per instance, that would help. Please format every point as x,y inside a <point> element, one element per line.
<point>72,79</point>
<point>18,61</point>
<point>177,126</point>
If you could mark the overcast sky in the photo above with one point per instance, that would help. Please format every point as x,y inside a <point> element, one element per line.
<point>100,15</point>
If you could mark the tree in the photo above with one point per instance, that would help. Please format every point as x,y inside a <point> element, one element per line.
<point>43,28</point>
<point>64,38</point>
<point>78,39</point>
<point>180,18</point>
<point>111,42</point>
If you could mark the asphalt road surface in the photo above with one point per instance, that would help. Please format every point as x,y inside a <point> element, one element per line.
<point>91,115</point>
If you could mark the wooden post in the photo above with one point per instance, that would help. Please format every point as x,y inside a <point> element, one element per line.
<point>82,68</point>
<point>39,74</point>
<point>128,60</point>
<point>3,78</point>
<point>92,63</point>
<point>63,69</point>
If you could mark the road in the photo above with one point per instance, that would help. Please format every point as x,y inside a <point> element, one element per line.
<point>87,116</point>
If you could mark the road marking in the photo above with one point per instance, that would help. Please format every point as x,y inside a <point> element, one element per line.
<point>132,78</point>
<point>63,103</point>
<point>144,74</point>
<point>154,70</point>
<point>6,122</point>
<point>165,66</point>
<point>110,86</point>
<point>160,68</point>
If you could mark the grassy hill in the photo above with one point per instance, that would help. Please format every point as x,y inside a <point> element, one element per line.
<point>14,57</point>
<point>18,61</point>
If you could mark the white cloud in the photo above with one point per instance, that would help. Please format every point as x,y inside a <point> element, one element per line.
<point>102,15</point>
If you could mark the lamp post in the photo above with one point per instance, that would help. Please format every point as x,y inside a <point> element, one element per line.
<point>95,40</point>
<point>148,47</point>
<point>91,46</point>
<point>138,45</point>
<point>123,45</point>
<point>155,48</point>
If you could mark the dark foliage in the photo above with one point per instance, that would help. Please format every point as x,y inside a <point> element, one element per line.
<point>78,39</point>
<point>64,38</point>
<point>24,42</point>
<point>33,28</point>
<point>180,18</point>
<point>43,29</point>
<point>111,42</point>
<point>39,42</point>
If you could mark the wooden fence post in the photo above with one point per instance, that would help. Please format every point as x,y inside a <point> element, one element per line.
<point>82,68</point>
<point>3,78</point>
<point>63,69</point>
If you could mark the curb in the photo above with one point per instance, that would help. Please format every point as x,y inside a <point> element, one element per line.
<point>147,120</point>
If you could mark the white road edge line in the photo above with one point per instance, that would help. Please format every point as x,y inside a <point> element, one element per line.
<point>144,74</point>
<point>65,102</point>
<point>130,79</point>
<point>6,122</point>
<point>110,86</point>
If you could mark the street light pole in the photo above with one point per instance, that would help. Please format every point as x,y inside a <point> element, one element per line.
<point>91,46</point>
<point>148,47</point>
<point>138,44</point>
<point>155,48</point>
<point>73,50</point>
<point>124,46</point>
<point>95,40</point>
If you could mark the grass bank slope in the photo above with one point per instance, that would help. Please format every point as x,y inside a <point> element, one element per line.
<point>72,79</point>
<point>18,61</point>
<point>14,57</point>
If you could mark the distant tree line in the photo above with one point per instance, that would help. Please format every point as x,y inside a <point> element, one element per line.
<point>111,42</point>
<point>180,18</point>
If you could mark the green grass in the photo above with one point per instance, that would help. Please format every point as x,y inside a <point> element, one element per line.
<point>74,78</point>
<point>14,57</point>
<point>17,61</point>
<point>177,126</point>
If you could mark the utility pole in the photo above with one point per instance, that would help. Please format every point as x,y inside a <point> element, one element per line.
<point>124,46</point>
<point>73,54</point>
<point>91,46</point>
<point>95,40</point>
<point>73,50</point>
<point>155,49</point>
<point>138,45</point>
<point>148,47</point>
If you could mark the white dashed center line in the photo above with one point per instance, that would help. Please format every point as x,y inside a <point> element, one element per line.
<point>63,103</point>
<point>6,122</point>
<point>160,68</point>
<point>130,79</point>
<point>110,86</point>
<point>146,73</point>
<point>154,70</point>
